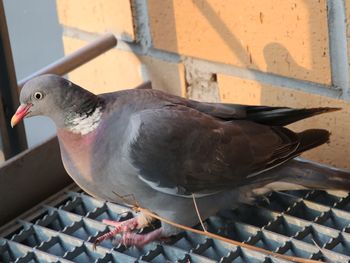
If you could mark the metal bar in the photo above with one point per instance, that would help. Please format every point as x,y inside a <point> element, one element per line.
<point>25,181</point>
<point>13,140</point>
<point>77,58</point>
<point>338,46</point>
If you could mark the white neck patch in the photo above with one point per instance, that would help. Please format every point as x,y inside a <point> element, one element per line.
<point>85,124</point>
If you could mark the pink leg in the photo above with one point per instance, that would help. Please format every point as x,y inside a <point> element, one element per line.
<point>120,227</point>
<point>139,240</point>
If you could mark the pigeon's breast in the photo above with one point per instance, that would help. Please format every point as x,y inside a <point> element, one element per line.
<point>100,166</point>
<point>77,157</point>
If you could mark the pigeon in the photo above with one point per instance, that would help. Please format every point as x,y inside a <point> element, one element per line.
<point>163,150</point>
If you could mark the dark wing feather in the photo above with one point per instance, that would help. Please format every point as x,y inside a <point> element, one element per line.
<point>275,116</point>
<point>181,147</point>
<point>281,116</point>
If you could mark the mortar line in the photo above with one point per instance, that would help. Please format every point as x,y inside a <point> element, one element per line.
<point>218,68</point>
<point>142,27</point>
<point>266,78</point>
<point>122,45</point>
<point>338,46</point>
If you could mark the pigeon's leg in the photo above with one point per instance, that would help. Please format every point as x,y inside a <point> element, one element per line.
<point>126,227</point>
<point>120,227</point>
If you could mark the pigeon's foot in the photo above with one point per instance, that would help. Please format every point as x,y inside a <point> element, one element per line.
<point>139,240</point>
<point>126,228</point>
<point>120,227</point>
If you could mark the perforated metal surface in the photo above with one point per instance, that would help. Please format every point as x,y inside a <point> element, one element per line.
<point>306,224</point>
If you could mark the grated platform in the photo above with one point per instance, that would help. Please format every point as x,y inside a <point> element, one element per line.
<point>308,224</point>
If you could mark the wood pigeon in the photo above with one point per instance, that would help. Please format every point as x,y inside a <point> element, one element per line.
<point>163,149</point>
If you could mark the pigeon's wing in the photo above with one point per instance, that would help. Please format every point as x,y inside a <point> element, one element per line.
<point>181,150</point>
<point>275,116</point>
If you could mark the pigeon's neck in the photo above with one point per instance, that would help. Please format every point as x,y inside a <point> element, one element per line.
<point>86,120</point>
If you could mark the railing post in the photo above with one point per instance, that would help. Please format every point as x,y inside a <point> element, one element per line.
<point>13,140</point>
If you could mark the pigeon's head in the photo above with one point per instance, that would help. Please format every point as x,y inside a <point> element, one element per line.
<point>54,97</point>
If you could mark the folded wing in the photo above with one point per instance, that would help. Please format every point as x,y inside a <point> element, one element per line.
<point>187,151</point>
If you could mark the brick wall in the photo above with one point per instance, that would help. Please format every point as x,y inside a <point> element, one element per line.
<point>270,52</point>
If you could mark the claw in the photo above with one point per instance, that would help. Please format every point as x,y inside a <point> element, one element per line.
<point>95,244</point>
<point>266,199</point>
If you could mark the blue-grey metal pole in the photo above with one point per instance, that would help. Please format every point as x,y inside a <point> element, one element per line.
<point>13,140</point>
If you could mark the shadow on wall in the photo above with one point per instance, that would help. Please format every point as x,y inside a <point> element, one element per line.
<point>277,58</point>
<point>255,52</point>
<point>36,41</point>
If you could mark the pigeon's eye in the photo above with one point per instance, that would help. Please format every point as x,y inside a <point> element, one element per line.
<point>38,95</point>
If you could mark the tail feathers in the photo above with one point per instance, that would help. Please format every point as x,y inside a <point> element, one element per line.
<point>313,175</point>
<point>312,138</point>
<point>281,116</point>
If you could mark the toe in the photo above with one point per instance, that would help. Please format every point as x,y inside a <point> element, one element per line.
<point>111,222</point>
<point>139,240</point>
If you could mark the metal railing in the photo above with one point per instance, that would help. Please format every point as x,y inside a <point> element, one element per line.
<point>77,58</point>
<point>14,140</point>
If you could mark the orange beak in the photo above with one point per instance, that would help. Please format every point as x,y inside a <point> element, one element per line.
<point>21,112</point>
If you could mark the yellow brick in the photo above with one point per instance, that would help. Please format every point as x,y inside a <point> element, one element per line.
<point>288,38</point>
<point>117,70</point>
<point>165,76</point>
<point>235,90</point>
<point>98,16</point>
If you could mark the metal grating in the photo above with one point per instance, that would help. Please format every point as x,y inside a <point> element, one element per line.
<point>309,224</point>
